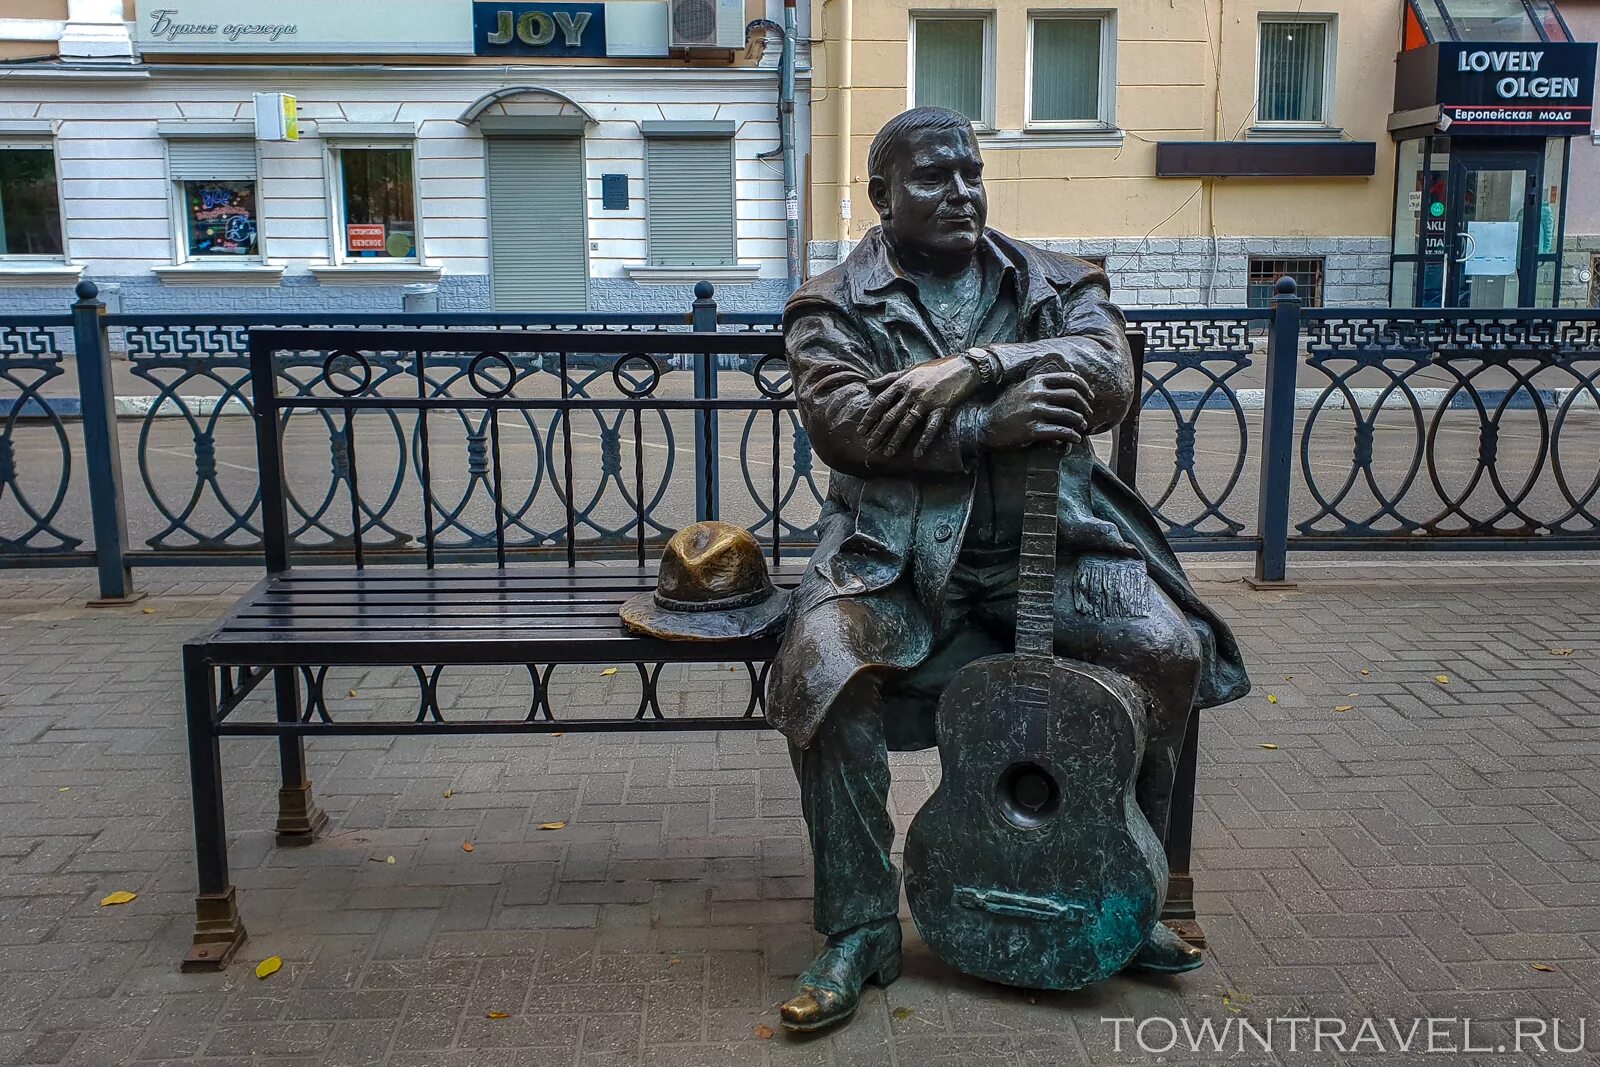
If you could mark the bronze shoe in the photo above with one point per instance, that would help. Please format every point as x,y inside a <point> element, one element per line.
<point>830,990</point>
<point>1166,953</point>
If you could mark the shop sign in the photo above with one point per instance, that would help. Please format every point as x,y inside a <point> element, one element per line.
<point>1523,89</point>
<point>539,29</point>
<point>365,237</point>
<point>273,27</point>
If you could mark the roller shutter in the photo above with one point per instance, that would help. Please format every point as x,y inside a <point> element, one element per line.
<point>689,186</point>
<point>536,224</point>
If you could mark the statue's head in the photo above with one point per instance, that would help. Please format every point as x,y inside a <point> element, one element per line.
<point>925,178</point>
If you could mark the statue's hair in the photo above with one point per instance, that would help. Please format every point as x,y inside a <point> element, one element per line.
<point>905,124</point>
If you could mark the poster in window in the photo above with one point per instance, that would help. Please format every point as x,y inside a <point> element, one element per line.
<point>222,218</point>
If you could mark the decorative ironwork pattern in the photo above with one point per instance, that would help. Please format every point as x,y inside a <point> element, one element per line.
<point>1191,366</point>
<point>319,703</point>
<point>527,443</point>
<point>36,452</point>
<point>1510,397</point>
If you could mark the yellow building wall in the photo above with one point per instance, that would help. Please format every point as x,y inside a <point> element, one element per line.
<point>1185,70</point>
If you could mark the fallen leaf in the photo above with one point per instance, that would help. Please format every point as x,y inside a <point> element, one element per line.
<point>269,967</point>
<point>1365,672</point>
<point>1352,694</point>
<point>1442,679</point>
<point>64,789</point>
<point>763,1031</point>
<point>466,846</point>
<point>1288,677</point>
<point>552,826</point>
<point>448,793</point>
<point>901,1013</point>
<point>608,672</point>
<point>1345,707</point>
<point>556,734</point>
<point>1542,967</point>
<point>389,859</point>
<point>673,962</point>
<point>121,896</point>
<point>1269,744</point>
<point>1272,698</point>
<point>1561,651</point>
<point>352,692</point>
<point>149,611</point>
<point>497,1015</point>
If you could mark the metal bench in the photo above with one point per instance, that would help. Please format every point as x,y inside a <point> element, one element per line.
<point>521,597</point>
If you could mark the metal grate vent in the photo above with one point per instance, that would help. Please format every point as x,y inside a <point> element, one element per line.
<point>694,21</point>
<point>1266,270</point>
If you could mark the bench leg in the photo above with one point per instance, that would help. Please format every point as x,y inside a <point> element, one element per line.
<point>218,933</point>
<point>1179,912</point>
<point>299,818</point>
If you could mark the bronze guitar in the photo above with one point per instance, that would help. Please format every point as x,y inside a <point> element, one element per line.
<point>1031,864</point>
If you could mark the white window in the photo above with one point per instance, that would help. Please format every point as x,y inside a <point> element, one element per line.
<point>375,204</point>
<point>1294,81</point>
<point>952,64</point>
<point>1071,70</point>
<point>216,199</point>
<point>30,202</point>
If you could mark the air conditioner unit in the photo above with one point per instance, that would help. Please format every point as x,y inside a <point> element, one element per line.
<point>707,24</point>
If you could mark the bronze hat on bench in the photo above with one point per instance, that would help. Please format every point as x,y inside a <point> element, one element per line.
<point>713,586</point>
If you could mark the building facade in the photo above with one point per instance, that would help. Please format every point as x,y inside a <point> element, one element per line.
<point>1204,148</point>
<point>1581,262</point>
<point>517,156</point>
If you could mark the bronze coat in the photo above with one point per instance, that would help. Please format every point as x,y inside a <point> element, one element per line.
<point>892,518</point>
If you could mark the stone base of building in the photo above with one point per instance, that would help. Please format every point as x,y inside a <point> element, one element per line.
<point>1191,272</point>
<point>304,294</point>
<point>1580,271</point>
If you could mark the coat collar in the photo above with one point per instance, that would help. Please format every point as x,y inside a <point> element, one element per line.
<point>872,274</point>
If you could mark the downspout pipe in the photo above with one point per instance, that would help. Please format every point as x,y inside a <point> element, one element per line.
<point>786,138</point>
<point>847,11</point>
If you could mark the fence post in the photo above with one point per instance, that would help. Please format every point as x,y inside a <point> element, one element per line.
<point>1277,438</point>
<point>100,454</point>
<point>707,487</point>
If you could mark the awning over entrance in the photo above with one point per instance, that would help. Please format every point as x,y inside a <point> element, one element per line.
<point>1496,68</point>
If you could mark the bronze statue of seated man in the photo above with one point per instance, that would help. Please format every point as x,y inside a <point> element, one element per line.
<point>914,362</point>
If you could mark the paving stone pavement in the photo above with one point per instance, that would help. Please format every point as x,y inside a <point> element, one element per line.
<point>1413,857</point>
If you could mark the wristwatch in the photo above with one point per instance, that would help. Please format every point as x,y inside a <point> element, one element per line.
<point>986,363</point>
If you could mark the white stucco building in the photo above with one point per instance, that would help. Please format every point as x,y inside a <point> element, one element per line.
<point>519,156</point>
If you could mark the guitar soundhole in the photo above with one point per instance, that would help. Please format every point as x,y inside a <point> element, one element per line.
<point>1029,795</point>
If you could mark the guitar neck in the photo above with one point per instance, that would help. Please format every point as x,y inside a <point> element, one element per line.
<point>1036,579</point>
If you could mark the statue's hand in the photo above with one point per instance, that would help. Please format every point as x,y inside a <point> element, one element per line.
<point>923,397</point>
<point>1044,408</point>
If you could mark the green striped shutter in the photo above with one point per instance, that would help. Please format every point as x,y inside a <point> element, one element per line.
<point>689,186</point>
<point>537,224</point>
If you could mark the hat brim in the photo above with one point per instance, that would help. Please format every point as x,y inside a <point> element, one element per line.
<point>642,615</point>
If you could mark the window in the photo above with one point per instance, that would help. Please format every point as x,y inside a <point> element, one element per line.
<point>30,210</point>
<point>1266,270</point>
<point>378,204</point>
<point>1295,72</point>
<point>689,201</point>
<point>1070,80</point>
<point>215,187</point>
<point>950,65</point>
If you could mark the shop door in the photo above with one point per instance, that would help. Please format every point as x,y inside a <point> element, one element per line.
<point>1494,212</point>
<point>537,235</point>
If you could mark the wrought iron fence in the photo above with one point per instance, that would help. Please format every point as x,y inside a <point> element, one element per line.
<point>1262,430</point>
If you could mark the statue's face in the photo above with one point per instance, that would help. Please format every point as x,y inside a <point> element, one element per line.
<point>933,201</point>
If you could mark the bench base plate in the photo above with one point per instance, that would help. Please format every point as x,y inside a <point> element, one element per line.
<point>218,933</point>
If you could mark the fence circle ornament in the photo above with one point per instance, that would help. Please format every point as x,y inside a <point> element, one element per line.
<point>481,373</point>
<point>341,367</point>
<point>775,384</point>
<point>636,384</point>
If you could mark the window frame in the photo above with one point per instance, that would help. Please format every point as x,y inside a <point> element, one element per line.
<point>179,210</point>
<point>24,143</point>
<point>1107,117</point>
<point>986,17</point>
<point>1330,59</point>
<point>333,162</point>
